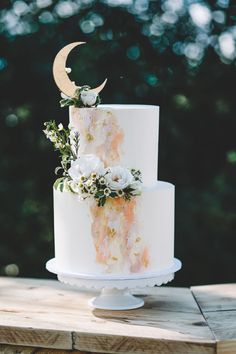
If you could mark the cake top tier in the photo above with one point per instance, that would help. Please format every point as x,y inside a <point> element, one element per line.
<point>125,135</point>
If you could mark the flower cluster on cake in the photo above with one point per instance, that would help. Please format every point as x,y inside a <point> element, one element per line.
<point>86,175</point>
<point>111,215</point>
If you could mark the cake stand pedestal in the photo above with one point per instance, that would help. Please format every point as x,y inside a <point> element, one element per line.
<point>115,293</point>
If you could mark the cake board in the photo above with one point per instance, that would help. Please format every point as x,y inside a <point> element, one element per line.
<point>115,293</point>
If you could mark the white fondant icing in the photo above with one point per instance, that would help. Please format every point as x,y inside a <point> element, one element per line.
<point>134,237</point>
<point>74,244</point>
<point>139,124</point>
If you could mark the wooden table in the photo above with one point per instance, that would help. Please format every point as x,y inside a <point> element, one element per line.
<point>37,314</point>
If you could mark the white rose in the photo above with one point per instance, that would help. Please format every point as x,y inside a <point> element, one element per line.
<point>84,166</point>
<point>88,98</point>
<point>118,178</point>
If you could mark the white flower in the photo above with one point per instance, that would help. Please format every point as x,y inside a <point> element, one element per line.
<point>94,176</point>
<point>89,183</point>
<point>51,135</point>
<point>68,70</point>
<point>118,178</point>
<point>84,166</point>
<point>120,193</point>
<point>93,190</point>
<point>107,192</point>
<point>59,146</point>
<point>60,127</point>
<point>88,98</point>
<point>102,181</point>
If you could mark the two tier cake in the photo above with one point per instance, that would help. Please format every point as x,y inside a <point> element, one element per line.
<point>111,214</point>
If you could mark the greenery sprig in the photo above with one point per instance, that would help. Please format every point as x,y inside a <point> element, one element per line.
<point>64,140</point>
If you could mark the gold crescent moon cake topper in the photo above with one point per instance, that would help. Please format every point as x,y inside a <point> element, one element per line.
<point>61,78</point>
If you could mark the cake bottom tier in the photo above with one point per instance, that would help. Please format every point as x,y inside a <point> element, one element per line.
<point>122,237</point>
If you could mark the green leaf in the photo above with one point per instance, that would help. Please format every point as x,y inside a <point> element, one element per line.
<point>66,102</point>
<point>99,194</point>
<point>70,189</point>
<point>58,181</point>
<point>113,195</point>
<point>128,189</point>
<point>102,201</point>
<point>127,197</point>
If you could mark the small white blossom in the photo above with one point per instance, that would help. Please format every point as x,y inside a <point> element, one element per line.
<point>89,183</point>
<point>88,98</point>
<point>59,145</point>
<point>82,179</point>
<point>68,70</point>
<point>93,190</point>
<point>60,127</point>
<point>102,181</point>
<point>81,185</point>
<point>51,135</point>
<point>107,192</point>
<point>120,193</point>
<point>94,175</point>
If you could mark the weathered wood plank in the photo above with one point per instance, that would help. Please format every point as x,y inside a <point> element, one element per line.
<point>12,349</point>
<point>215,297</point>
<point>140,345</point>
<point>35,337</point>
<point>170,316</point>
<point>46,313</point>
<point>223,324</point>
<point>218,305</point>
<point>228,347</point>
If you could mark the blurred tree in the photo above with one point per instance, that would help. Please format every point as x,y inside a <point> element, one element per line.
<point>179,55</point>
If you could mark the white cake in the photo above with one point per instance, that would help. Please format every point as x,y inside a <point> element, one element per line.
<point>120,237</point>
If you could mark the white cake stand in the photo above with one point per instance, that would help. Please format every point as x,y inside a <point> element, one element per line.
<point>115,288</point>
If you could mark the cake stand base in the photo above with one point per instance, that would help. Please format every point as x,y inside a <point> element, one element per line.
<point>116,299</point>
<point>115,288</point>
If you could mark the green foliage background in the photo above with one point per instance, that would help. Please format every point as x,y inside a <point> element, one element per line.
<point>147,58</point>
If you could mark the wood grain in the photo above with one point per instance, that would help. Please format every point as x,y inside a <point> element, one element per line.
<point>140,345</point>
<point>50,317</point>
<point>170,322</point>
<point>218,305</point>
<point>12,349</point>
<point>215,297</point>
<point>35,337</point>
<point>228,347</point>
